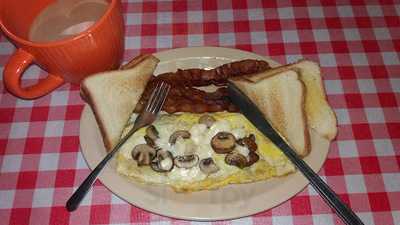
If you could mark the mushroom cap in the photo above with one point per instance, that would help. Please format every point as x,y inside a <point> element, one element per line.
<point>179,133</point>
<point>208,166</point>
<point>143,154</point>
<point>207,120</point>
<point>163,162</point>
<point>223,142</point>
<point>186,161</point>
<point>149,141</point>
<point>249,142</point>
<point>152,132</point>
<point>236,159</point>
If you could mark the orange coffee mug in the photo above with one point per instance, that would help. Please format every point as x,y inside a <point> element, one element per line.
<point>99,48</point>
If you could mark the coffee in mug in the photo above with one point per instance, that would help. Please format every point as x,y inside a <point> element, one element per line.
<point>69,39</point>
<point>63,19</point>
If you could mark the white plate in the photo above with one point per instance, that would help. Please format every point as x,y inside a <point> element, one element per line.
<point>230,202</point>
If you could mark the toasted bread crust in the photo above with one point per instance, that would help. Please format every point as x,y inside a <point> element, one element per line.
<point>89,99</point>
<point>135,61</point>
<point>332,133</point>
<point>328,134</point>
<point>307,139</point>
<point>88,96</point>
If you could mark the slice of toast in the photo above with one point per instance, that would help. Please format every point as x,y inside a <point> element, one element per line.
<point>113,95</point>
<point>320,115</point>
<point>281,98</point>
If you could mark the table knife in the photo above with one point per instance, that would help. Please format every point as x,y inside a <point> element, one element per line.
<point>256,117</point>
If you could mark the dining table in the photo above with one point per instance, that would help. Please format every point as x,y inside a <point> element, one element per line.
<point>355,42</point>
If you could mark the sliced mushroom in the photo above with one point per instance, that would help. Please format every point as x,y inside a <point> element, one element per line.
<point>223,142</point>
<point>186,161</point>
<point>152,132</point>
<point>208,166</point>
<point>236,159</point>
<point>252,158</point>
<point>143,154</point>
<point>179,133</point>
<point>249,142</point>
<point>163,162</point>
<point>149,141</point>
<point>207,120</point>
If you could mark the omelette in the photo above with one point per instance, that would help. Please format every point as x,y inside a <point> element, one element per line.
<point>193,152</point>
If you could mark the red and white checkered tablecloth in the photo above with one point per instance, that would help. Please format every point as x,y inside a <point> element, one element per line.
<point>357,44</point>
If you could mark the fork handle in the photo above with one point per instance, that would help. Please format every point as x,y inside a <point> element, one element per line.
<point>74,201</point>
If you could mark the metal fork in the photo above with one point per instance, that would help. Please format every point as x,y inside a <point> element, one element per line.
<point>149,114</point>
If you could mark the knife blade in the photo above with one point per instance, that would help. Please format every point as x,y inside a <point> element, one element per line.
<point>256,117</point>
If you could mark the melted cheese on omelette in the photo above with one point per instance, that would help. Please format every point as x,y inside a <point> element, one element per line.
<point>272,162</point>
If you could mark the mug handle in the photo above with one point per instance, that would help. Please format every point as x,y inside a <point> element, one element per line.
<point>16,66</point>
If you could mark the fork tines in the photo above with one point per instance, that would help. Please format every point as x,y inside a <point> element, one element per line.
<point>157,97</point>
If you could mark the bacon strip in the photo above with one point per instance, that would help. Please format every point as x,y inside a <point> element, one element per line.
<point>184,97</point>
<point>217,76</point>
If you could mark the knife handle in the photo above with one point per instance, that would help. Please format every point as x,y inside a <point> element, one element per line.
<point>330,197</point>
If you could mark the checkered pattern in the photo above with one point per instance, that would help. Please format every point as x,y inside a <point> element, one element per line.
<point>357,45</point>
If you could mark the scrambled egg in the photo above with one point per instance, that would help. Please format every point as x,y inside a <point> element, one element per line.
<point>271,163</point>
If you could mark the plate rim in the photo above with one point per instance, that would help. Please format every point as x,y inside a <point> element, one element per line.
<point>104,177</point>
